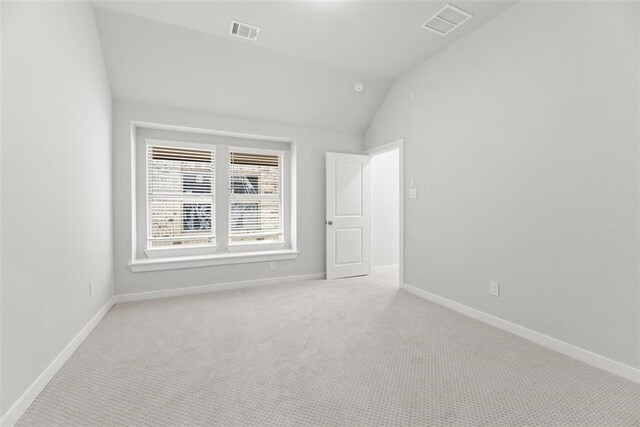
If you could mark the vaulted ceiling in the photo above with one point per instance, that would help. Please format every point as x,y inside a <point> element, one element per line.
<point>301,70</point>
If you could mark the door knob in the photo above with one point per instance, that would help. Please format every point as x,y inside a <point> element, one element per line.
<point>329,222</point>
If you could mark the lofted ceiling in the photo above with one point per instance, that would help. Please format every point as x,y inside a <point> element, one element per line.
<point>301,69</point>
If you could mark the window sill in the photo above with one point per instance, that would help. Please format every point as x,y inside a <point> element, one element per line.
<point>211,260</point>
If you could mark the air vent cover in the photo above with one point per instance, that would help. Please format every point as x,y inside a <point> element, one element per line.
<point>446,20</point>
<point>244,31</point>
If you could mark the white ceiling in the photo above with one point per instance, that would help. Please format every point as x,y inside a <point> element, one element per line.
<point>302,68</point>
<point>382,38</point>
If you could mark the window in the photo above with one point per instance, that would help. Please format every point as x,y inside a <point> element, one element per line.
<point>255,199</point>
<point>180,196</point>
<point>211,200</point>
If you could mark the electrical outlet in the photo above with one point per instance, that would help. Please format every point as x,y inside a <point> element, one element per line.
<point>494,289</point>
<point>413,193</point>
<point>90,290</point>
<point>272,265</point>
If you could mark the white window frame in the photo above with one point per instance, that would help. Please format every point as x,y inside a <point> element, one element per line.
<point>268,245</point>
<point>201,249</point>
<point>222,253</point>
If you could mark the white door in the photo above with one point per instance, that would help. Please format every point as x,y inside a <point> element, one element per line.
<point>347,219</point>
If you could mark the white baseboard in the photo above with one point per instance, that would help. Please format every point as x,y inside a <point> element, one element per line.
<point>570,350</point>
<point>22,404</point>
<point>382,268</point>
<point>139,296</point>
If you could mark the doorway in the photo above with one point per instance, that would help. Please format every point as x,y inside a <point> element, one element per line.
<point>386,173</point>
<point>365,235</point>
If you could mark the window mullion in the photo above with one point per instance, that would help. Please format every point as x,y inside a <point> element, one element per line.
<point>222,195</point>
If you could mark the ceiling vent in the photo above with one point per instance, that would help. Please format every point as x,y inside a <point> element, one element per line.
<point>244,31</point>
<point>448,19</point>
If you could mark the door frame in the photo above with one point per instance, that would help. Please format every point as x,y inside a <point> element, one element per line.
<point>399,145</point>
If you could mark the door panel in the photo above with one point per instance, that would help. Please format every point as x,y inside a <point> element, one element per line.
<point>348,245</point>
<point>348,188</point>
<point>347,216</point>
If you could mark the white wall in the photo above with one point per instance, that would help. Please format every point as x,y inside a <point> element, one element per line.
<point>385,199</point>
<point>56,185</point>
<point>311,147</point>
<point>1,134</point>
<point>523,141</point>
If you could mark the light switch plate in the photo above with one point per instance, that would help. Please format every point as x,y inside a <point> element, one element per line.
<point>494,289</point>
<point>413,193</point>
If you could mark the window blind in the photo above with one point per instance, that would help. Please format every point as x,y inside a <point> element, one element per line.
<point>255,197</point>
<point>181,196</point>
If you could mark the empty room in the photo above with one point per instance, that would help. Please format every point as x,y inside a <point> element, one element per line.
<point>319,213</point>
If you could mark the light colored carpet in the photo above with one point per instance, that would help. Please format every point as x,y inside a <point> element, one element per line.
<point>354,352</point>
